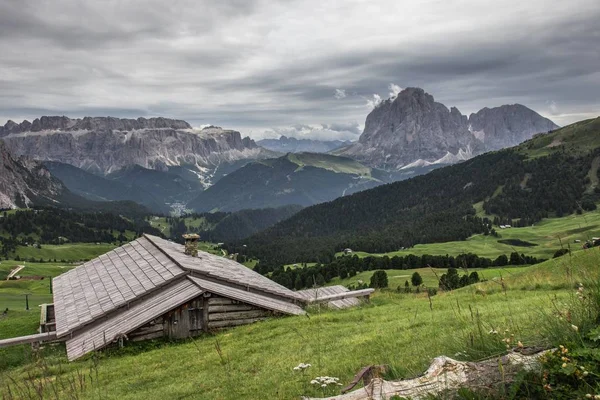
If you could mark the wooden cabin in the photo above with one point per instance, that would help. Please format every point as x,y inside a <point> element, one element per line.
<point>150,288</point>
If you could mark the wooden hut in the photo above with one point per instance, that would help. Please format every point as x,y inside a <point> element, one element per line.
<point>151,288</point>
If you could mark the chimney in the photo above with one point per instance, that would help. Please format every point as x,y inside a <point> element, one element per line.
<point>191,244</point>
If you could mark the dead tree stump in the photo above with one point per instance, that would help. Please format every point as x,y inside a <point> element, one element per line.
<point>446,375</point>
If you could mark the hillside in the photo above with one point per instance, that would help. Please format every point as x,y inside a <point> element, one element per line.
<point>256,361</point>
<point>512,185</point>
<point>222,226</point>
<point>99,188</point>
<point>302,179</point>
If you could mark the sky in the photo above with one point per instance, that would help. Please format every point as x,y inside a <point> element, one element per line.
<point>309,69</point>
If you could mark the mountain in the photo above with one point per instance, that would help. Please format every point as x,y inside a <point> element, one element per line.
<point>104,144</point>
<point>553,174</point>
<point>27,183</point>
<point>413,127</point>
<point>292,145</point>
<point>303,179</point>
<point>507,125</point>
<point>24,182</point>
<point>98,188</point>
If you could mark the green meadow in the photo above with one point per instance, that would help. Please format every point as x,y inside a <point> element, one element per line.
<point>546,237</point>
<point>67,252</point>
<point>404,331</point>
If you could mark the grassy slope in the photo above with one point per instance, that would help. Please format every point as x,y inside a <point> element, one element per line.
<point>397,329</point>
<point>579,138</point>
<point>396,277</point>
<point>69,252</point>
<point>550,235</point>
<point>332,163</point>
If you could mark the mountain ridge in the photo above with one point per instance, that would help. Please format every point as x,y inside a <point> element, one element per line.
<point>106,144</point>
<point>412,126</point>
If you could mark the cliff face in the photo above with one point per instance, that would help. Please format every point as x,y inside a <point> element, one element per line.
<point>107,144</point>
<point>507,125</point>
<point>24,182</point>
<point>414,128</point>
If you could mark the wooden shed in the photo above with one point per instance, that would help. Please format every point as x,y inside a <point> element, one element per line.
<point>151,288</point>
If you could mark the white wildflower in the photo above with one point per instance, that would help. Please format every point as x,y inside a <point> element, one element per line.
<point>575,328</point>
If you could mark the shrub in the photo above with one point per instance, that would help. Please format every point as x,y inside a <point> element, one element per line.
<point>379,279</point>
<point>416,279</point>
<point>561,252</point>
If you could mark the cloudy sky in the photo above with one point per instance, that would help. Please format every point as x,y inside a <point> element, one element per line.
<point>301,68</point>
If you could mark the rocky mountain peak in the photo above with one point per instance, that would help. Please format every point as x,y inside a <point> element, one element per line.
<point>412,126</point>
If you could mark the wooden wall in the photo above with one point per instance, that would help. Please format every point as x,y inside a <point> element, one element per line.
<point>224,312</point>
<point>207,312</point>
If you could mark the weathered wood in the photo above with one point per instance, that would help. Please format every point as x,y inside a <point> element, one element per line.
<point>340,296</point>
<point>235,322</point>
<point>220,301</point>
<point>446,376</point>
<point>38,337</point>
<point>237,315</point>
<point>230,308</point>
<point>205,307</point>
<point>147,336</point>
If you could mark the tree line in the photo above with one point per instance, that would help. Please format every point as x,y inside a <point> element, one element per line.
<point>304,276</point>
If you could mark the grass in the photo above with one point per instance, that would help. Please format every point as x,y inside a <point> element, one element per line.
<point>329,162</point>
<point>579,138</point>
<point>549,235</point>
<point>68,252</point>
<point>401,330</point>
<point>430,276</point>
<point>19,321</point>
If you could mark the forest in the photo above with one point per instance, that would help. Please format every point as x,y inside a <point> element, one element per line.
<point>57,226</point>
<point>436,207</point>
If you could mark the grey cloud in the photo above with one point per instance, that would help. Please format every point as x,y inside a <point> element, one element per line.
<point>259,65</point>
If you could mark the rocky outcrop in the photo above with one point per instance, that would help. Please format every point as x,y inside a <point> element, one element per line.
<point>413,128</point>
<point>24,182</point>
<point>507,125</point>
<point>107,144</point>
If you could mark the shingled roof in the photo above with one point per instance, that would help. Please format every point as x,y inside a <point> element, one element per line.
<point>103,288</point>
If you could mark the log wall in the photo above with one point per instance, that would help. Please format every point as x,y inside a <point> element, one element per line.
<point>224,312</point>
<point>207,312</point>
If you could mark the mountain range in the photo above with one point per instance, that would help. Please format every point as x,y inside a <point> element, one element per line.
<point>104,145</point>
<point>412,129</point>
<point>165,163</point>
<point>292,145</point>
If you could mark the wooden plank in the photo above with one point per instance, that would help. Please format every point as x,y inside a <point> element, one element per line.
<point>340,296</point>
<point>236,322</point>
<point>148,336</point>
<point>259,300</point>
<point>37,338</point>
<point>221,301</point>
<point>230,308</point>
<point>237,315</point>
